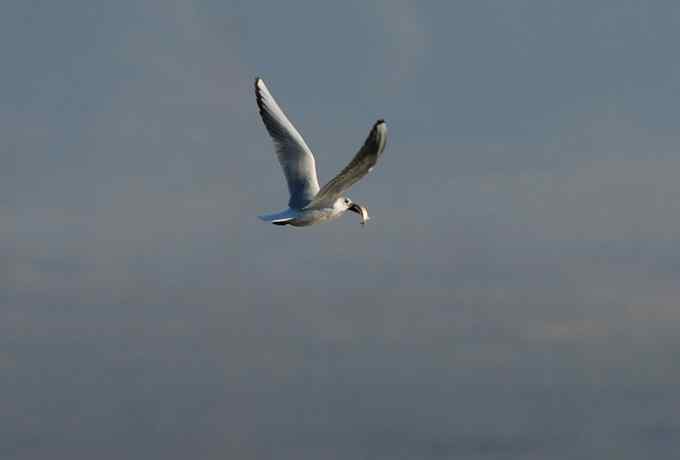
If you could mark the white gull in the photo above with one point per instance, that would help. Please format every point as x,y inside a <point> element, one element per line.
<point>308,204</point>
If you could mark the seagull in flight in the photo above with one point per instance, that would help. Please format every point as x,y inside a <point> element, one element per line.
<point>309,204</point>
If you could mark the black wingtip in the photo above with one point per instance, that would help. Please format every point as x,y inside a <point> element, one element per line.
<point>378,123</point>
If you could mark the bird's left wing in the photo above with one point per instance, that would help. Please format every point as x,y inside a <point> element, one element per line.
<point>360,165</point>
<point>295,157</point>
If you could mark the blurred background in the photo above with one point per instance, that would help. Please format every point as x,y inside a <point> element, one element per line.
<point>514,297</point>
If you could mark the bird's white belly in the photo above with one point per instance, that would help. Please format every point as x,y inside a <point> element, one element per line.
<point>314,216</point>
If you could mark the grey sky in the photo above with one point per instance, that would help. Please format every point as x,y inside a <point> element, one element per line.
<point>515,295</point>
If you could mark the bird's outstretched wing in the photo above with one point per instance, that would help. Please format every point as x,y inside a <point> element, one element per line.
<point>360,165</point>
<point>295,157</point>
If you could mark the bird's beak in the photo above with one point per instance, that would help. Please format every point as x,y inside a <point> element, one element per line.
<point>361,210</point>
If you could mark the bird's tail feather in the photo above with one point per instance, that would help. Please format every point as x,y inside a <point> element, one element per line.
<point>279,218</point>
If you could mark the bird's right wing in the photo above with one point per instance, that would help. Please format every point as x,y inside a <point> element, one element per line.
<point>361,164</point>
<point>295,157</point>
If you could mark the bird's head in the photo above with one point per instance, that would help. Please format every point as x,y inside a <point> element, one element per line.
<point>347,205</point>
